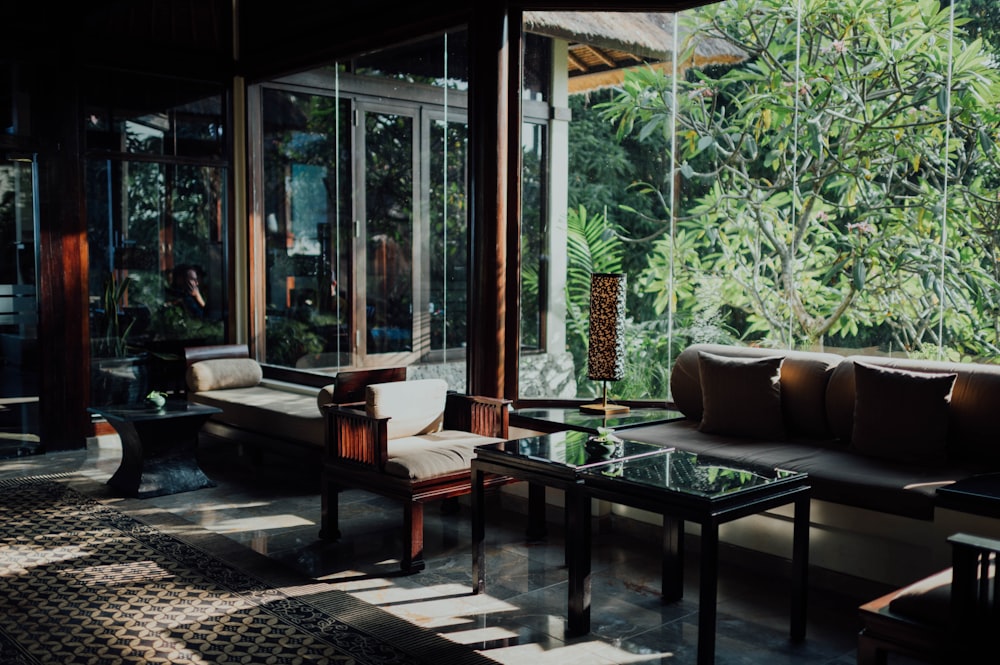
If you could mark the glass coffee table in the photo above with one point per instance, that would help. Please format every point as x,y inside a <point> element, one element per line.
<point>683,486</point>
<point>550,460</point>
<point>557,419</point>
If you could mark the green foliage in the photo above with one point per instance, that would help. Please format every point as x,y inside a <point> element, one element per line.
<point>289,339</point>
<point>112,340</point>
<point>814,188</point>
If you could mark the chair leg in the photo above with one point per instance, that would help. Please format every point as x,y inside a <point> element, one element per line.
<point>869,651</point>
<point>330,515</point>
<point>413,532</point>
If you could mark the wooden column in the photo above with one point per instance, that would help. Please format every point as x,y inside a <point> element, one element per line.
<point>488,235</point>
<point>62,289</point>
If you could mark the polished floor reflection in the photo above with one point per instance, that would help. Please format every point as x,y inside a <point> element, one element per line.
<point>273,507</point>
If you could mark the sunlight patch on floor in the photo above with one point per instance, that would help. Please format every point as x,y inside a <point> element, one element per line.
<point>264,523</point>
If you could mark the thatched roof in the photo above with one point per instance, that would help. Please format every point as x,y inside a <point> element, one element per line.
<point>603,44</point>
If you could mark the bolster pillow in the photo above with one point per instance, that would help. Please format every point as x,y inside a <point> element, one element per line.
<point>222,373</point>
<point>325,396</point>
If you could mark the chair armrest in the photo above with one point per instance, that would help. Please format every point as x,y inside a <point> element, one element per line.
<point>352,434</point>
<point>486,416</point>
<point>974,586</point>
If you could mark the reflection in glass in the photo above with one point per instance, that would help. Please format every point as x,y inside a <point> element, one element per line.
<point>700,475</point>
<point>155,234</point>
<point>364,211</point>
<point>389,231</point>
<point>19,360</point>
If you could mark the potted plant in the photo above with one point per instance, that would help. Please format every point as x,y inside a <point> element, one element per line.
<point>118,371</point>
<point>604,445</point>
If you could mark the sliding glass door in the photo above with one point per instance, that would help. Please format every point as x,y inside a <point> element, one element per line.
<point>365,237</point>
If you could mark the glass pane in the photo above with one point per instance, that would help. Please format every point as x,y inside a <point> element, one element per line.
<point>157,274</point>
<point>377,147</point>
<point>19,361</point>
<point>782,200</point>
<point>389,231</point>
<point>308,240</point>
<point>133,113</point>
<point>534,257</point>
<point>448,249</point>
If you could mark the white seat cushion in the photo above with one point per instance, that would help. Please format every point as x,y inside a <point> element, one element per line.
<point>436,454</point>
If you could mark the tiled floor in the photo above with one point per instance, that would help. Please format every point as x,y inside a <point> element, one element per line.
<point>274,508</point>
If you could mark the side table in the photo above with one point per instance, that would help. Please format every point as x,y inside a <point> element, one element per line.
<point>158,447</point>
<point>551,460</point>
<point>979,495</point>
<point>683,486</point>
<point>558,419</point>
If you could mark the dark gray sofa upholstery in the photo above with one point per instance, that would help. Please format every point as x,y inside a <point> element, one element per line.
<point>818,399</point>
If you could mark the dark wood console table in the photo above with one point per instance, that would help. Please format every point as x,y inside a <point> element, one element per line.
<point>158,447</point>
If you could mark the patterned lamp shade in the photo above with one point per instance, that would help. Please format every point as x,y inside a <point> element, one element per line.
<point>606,355</point>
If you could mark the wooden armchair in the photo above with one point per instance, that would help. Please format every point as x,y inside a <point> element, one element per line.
<point>946,618</point>
<point>413,441</point>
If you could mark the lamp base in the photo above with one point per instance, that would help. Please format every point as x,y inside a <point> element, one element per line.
<point>604,408</point>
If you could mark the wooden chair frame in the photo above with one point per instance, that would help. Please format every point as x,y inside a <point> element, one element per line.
<point>973,616</point>
<point>357,451</point>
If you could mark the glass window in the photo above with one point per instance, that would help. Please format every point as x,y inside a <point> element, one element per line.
<point>365,212</point>
<point>156,205</point>
<point>789,177</point>
<point>20,370</point>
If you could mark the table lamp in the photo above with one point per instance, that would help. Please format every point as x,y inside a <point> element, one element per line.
<point>606,351</point>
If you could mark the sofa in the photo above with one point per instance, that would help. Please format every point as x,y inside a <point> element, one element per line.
<point>266,412</point>
<point>872,432</point>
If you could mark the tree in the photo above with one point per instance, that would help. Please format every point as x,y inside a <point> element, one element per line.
<point>842,161</point>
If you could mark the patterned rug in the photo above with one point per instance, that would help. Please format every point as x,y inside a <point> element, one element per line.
<point>82,582</point>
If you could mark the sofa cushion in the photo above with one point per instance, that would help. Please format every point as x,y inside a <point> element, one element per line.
<point>901,415</point>
<point>414,407</point>
<point>927,601</point>
<point>741,396</point>
<point>222,373</point>
<point>270,412</point>
<point>973,429</point>
<point>435,454</point>
<point>804,377</point>
<point>836,473</point>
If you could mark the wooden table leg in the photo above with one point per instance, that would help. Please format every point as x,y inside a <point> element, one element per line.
<point>800,568</point>
<point>672,573</point>
<point>708,593</point>
<point>537,529</point>
<point>578,560</point>
<point>478,531</point>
